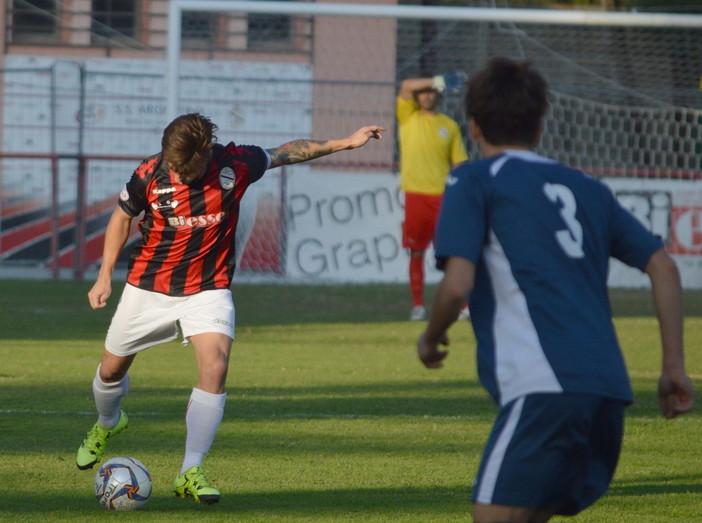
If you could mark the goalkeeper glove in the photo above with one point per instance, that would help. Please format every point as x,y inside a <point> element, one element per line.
<point>451,82</point>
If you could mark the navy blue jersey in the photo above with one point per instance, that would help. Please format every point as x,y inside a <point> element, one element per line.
<point>541,236</point>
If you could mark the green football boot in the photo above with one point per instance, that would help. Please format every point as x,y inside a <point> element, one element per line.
<point>93,446</point>
<point>193,483</point>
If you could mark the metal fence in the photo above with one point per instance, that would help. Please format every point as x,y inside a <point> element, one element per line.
<point>72,137</point>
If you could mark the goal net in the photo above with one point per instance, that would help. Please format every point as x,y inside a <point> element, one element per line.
<point>626,106</point>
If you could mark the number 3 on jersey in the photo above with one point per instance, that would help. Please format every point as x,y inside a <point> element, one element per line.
<point>571,238</point>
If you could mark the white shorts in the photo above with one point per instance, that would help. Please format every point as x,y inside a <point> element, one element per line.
<point>144,319</point>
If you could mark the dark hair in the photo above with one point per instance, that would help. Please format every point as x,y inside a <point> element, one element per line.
<point>186,144</point>
<point>508,99</point>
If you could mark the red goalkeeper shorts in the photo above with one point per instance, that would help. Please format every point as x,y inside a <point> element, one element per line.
<point>421,214</point>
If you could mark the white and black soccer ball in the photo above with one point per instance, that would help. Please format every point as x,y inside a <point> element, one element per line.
<point>122,484</point>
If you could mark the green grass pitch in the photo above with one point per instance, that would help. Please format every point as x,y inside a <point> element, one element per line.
<point>330,418</point>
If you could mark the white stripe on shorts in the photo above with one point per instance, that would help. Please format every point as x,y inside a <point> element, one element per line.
<point>494,463</point>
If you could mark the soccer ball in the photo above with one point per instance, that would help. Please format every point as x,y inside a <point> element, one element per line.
<point>122,484</point>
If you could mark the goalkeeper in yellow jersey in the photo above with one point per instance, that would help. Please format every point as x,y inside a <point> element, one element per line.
<point>430,146</point>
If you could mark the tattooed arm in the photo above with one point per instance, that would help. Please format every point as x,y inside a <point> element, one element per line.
<point>304,150</point>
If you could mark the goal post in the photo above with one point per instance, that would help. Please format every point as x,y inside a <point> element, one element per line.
<point>626,106</point>
<point>475,14</point>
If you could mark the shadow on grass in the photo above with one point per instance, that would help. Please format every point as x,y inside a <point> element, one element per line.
<point>27,410</point>
<point>655,486</point>
<point>31,309</point>
<point>318,504</point>
<point>61,307</point>
<point>349,501</point>
<point>315,505</point>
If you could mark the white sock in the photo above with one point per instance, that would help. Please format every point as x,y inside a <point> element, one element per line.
<point>108,399</point>
<point>202,419</point>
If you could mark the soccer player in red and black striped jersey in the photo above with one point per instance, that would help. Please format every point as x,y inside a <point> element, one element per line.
<point>180,273</point>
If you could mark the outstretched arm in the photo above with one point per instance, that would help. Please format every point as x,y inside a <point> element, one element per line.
<point>675,392</point>
<point>304,150</point>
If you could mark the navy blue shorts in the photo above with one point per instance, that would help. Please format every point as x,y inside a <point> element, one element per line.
<point>555,451</point>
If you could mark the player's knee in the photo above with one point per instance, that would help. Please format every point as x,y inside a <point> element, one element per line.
<point>112,370</point>
<point>215,369</point>
<point>112,375</point>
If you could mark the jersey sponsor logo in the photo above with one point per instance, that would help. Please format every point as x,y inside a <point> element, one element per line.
<point>170,204</point>
<point>451,180</point>
<point>164,190</point>
<point>227,178</point>
<point>124,194</point>
<point>196,221</point>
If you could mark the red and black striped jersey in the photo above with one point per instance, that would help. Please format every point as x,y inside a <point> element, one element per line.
<point>188,230</point>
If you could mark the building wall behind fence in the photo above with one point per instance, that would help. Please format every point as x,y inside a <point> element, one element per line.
<point>110,114</point>
<point>625,106</point>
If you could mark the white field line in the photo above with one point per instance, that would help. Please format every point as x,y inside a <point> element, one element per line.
<point>299,415</point>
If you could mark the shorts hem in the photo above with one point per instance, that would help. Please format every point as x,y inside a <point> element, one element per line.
<point>209,331</point>
<point>140,348</point>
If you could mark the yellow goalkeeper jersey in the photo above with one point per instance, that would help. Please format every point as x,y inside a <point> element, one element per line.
<point>429,146</point>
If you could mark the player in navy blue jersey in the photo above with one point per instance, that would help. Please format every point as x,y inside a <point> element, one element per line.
<point>180,272</point>
<point>530,241</point>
